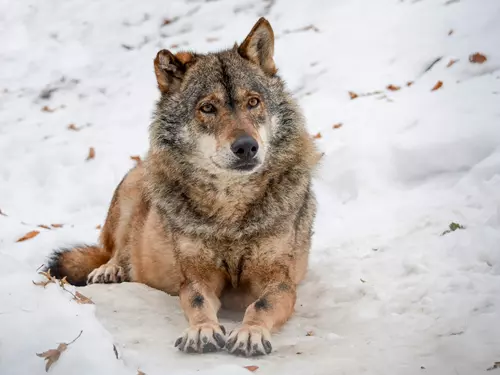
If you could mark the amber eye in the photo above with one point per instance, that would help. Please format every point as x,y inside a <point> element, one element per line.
<point>253,102</point>
<point>207,108</point>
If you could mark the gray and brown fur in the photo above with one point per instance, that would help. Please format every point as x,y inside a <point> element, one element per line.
<point>193,220</point>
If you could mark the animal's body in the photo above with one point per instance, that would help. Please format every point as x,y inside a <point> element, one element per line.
<point>221,209</point>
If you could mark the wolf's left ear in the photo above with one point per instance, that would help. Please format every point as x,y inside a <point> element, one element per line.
<point>170,69</point>
<point>258,46</point>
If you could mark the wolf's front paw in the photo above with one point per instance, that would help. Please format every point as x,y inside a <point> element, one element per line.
<point>106,274</point>
<point>202,338</point>
<point>249,341</point>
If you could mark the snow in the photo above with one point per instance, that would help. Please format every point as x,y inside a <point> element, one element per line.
<point>386,292</point>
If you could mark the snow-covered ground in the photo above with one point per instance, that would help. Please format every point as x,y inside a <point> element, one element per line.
<point>387,293</point>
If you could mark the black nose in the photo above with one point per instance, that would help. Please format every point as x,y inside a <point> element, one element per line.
<point>245,147</point>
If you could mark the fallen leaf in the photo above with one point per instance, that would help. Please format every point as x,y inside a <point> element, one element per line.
<point>317,136</point>
<point>91,153</point>
<point>437,86</point>
<point>63,282</point>
<point>309,333</point>
<point>98,226</point>
<point>450,32</point>
<point>28,236</point>
<point>409,83</point>
<point>451,62</point>
<point>44,226</point>
<point>477,58</point>
<point>393,87</point>
<point>83,300</point>
<point>139,372</point>
<point>52,355</point>
<point>57,225</point>
<point>166,21</point>
<point>42,283</point>
<point>49,279</point>
<point>363,281</point>
<point>73,127</point>
<point>136,158</point>
<point>3,213</point>
<point>46,108</point>
<point>495,365</point>
<point>298,353</point>
<point>211,40</point>
<point>353,95</point>
<point>251,368</point>
<point>336,126</point>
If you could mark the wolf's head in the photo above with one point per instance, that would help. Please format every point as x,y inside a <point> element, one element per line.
<point>226,112</point>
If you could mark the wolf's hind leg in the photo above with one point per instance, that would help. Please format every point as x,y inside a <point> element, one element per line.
<point>108,273</point>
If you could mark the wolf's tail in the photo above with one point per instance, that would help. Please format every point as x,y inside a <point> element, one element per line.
<point>76,263</point>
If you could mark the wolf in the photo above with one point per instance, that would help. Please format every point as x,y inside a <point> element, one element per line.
<point>220,212</point>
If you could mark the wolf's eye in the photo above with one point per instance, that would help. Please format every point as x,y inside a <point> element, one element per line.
<point>253,102</point>
<point>207,108</point>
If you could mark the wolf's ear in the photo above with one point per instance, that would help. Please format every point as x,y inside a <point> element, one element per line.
<point>170,69</point>
<point>258,46</point>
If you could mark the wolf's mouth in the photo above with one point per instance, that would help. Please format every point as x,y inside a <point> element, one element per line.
<point>245,166</point>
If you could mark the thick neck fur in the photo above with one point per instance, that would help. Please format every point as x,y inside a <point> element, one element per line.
<point>200,204</point>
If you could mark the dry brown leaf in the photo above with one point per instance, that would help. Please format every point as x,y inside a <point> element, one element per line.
<point>73,127</point>
<point>52,355</point>
<point>43,283</point>
<point>3,213</point>
<point>353,95</point>
<point>139,372</point>
<point>317,135</point>
<point>409,83</point>
<point>477,58</point>
<point>49,279</point>
<point>83,300</point>
<point>336,126</point>
<point>393,87</point>
<point>450,32</point>
<point>56,225</point>
<point>28,236</point>
<point>251,368</point>
<point>309,333</point>
<point>46,108</point>
<point>136,158</point>
<point>451,62</point>
<point>166,21</point>
<point>211,40</point>
<point>63,282</point>
<point>437,86</point>
<point>98,226</point>
<point>91,154</point>
<point>44,226</point>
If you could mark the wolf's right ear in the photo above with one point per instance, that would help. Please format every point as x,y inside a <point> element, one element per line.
<point>258,46</point>
<point>170,69</point>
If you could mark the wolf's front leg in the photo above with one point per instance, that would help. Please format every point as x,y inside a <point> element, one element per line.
<point>200,302</point>
<point>269,312</point>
